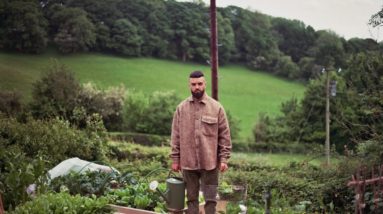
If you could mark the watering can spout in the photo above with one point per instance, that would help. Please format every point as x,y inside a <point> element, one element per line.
<point>174,194</point>
<point>154,187</point>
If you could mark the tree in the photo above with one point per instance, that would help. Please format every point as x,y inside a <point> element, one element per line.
<point>153,24</point>
<point>125,38</point>
<point>190,31</point>
<point>24,26</point>
<point>73,31</point>
<point>294,38</point>
<point>102,14</point>
<point>376,19</point>
<point>226,41</point>
<point>364,79</point>
<point>328,50</point>
<point>357,45</point>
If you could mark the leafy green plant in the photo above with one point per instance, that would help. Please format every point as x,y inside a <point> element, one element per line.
<point>63,203</point>
<point>17,172</point>
<point>138,196</point>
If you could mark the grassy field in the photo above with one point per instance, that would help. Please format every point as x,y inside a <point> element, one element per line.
<point>278,160</point>
<point>243,92</point>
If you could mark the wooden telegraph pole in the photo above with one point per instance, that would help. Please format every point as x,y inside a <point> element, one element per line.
<point>214,49</point>
<point>327,143</point>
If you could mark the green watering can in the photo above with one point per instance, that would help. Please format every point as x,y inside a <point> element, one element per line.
<point>174,194</point>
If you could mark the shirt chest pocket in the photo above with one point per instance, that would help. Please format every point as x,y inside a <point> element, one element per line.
<point>209,126</point>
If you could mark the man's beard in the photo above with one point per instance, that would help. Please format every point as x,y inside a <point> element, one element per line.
<point>198,94</point>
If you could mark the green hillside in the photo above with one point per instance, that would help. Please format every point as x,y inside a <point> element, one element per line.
<point>243,92</point>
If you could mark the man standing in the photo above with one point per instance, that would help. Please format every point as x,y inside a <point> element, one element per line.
<point>201,144</point>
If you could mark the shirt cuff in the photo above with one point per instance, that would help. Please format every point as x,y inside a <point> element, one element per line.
<point>176,160</point>
<point>223,160</point>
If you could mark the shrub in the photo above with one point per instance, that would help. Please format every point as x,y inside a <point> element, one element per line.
<point>150,114</point>
<point>56,93</point>
<point>108,103</point>
<point>140,138</point>
<point>10,103</point>
<point>54,139</point>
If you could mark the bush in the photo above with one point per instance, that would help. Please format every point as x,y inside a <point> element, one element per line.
<point>10,103</point>
<point>140,138</point>
<point>56,93</point>
<point>54,139</point>
<point>317,189</point>
<point>108,103</point>
<point>272,147</point>
<point>63,203</point>
<point>150,114</point>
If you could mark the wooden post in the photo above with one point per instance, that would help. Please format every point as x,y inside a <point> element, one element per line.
<point>214,49</point>
<point>1,205</point>
<point>327,143</point>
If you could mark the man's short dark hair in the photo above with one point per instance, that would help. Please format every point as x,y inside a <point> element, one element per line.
<point>196,74</point>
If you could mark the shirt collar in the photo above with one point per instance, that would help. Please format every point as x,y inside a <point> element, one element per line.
<point>203,100</point>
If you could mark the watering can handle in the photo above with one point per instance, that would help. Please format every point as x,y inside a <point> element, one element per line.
<point>171,172</point>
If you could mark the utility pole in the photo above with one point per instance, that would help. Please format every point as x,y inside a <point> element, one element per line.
<point>214,49</point>
<point>327,143</point>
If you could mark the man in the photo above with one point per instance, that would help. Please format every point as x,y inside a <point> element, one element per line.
<point>201,144</point>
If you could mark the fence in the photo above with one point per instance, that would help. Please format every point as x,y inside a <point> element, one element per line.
<point>368,184</point>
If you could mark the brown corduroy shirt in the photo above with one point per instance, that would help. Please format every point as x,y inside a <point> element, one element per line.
<point>200,136</point>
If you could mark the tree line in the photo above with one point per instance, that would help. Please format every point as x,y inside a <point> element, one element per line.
<point>175,30</point>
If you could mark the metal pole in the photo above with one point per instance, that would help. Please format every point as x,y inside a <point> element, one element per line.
<point>267,197</point>
<point>327,144</point>
<point>213,50</point>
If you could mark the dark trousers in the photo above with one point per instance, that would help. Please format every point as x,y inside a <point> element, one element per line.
<point>207,181</point>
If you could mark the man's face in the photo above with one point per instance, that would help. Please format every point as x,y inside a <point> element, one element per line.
<point>197,86</point>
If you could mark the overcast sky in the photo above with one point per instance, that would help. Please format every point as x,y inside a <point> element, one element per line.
<point>347,18</point>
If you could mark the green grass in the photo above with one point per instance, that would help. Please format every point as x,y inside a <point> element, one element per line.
<point>243,92</point>
<point>278,160</point>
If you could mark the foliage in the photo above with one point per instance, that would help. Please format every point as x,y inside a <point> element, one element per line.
<point>376,19</point>
<point>61,203</point>
<point>72,30</point>
<point>17,172</point>
<point>138,196</point>
<point>56,93</point>
<point>234,125</point>
<point>88,183</point>
<point>140,138</point>
<point>152,114</point>
<point>107,103</point>
<point>133,153</point>
<point>24,26</point>
<point>125,38</point>
<point>294,185</point>
<point>54,139</point>
<point>10,103</point>
<point>189,36</point>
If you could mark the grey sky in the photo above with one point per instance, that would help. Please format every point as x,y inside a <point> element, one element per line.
<point>347,18</point>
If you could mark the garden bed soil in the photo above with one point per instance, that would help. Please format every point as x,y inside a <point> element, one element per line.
<point>221,206</point>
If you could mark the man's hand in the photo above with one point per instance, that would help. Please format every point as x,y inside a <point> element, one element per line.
<point>223,167</point>
<point>176,167</point>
